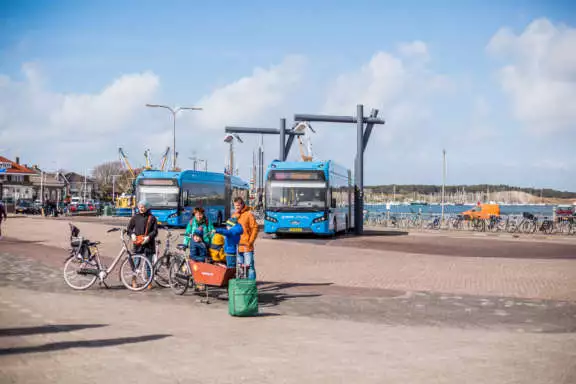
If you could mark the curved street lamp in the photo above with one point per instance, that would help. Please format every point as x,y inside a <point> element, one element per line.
<point>229,138</point>
<point>174,111</point>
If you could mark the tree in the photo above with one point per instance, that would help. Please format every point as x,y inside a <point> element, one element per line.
<point>103,175</point>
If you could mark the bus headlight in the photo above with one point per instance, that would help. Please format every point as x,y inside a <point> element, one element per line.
<point>319,219</point>
<point>270,218</point>
<point>173,215</point>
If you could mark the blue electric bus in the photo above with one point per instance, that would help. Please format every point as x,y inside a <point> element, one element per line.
<point>308,197</point>
<point>173,195</point>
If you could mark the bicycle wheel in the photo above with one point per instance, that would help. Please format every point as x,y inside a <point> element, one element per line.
<point>180,275</point>
<point>79,281</point>
<point>162,271</point>
<point>136,276</point>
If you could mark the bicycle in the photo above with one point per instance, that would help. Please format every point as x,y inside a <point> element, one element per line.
<point>161,265</point>
<point>84,263</point>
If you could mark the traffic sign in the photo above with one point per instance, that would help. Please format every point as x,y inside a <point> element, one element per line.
<point>3,170</point>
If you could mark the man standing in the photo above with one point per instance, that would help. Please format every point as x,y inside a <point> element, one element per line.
<point>143,229</point>
<point>3,216</point>
<point>250,232</point>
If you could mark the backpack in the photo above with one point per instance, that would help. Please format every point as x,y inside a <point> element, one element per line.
<point>217,248</point>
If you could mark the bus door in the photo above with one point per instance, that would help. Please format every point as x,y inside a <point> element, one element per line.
<point>228,197</point>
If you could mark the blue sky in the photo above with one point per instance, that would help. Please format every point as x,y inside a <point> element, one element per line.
<point>433,69</point>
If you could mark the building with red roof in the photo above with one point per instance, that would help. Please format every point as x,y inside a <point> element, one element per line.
<point>15,182</point>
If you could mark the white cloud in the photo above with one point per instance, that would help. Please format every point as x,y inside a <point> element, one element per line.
<point>540,74</point>
<point>401,86</point>
<point>250,98</point>
<point>85,129</point>
<point>414,49</point>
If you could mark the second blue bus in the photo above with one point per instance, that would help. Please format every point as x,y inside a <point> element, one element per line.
<point>172,196</point>
<point>308,197</point>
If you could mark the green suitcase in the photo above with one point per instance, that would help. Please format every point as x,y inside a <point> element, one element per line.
<point>242,297</point>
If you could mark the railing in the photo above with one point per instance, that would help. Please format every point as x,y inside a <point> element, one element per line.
<point>529,224</point>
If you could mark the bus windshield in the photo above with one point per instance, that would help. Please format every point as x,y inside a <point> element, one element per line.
<point>296,195</point>
<point>159,197</point>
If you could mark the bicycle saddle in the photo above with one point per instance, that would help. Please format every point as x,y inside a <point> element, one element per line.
<point>181,246</point>
<point>93,243</point>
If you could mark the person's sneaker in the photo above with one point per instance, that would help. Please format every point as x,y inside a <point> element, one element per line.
<point>134,283</point>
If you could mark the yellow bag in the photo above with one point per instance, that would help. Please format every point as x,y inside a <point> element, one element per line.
<point>217,248</point>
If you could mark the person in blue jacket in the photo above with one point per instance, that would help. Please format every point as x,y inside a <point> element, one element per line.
<point>198,251</point>
<point>231,235</point>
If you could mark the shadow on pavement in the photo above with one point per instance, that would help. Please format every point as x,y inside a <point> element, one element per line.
<point>264,286</point>
<point>11,240</point>
<point>25,331</point>
<point>98,343</point>
<point>378,232</point>
<point>270,299</point>
<point>272,294</point>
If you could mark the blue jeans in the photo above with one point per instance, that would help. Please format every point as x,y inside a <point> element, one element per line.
<point>230,261</point>
<point>247,258</point>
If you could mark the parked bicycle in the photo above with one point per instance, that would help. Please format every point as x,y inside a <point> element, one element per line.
<point>162,263</point>
<point>180,274</point>
<point>83,266</point>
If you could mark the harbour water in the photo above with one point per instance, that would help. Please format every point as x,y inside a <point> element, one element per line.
<point>538,210</point>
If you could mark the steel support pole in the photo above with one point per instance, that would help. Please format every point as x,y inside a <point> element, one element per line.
<point>288,146</point>
<point>282,156</point>
<point>368,131</point>
<point>174,139</point>
<point>359,206</point>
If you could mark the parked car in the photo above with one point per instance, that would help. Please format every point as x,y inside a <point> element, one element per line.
<point>26,207</point>
<point>564,210</point>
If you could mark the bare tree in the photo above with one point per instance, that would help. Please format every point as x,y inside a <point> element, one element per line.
<point>103,175</point>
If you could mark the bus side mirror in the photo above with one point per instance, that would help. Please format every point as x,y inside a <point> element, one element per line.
<point>333,203</point>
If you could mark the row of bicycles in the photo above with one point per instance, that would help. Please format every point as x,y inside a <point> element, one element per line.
<point>169,267</point>
<point>525,223</point>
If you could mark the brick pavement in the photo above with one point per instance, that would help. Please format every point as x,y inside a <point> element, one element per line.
<point>26,270</point>
<point>302,262</point>
<point>76,337</point>
<point>314,331</point>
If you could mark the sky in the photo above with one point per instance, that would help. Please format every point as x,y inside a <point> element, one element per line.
<point>495,86</point>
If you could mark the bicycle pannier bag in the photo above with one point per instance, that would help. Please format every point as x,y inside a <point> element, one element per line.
<point>242,297</point>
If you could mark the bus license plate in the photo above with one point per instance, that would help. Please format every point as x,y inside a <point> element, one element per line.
<point>295,229</point>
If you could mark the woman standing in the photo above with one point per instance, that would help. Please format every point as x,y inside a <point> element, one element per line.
<point>199,222</point>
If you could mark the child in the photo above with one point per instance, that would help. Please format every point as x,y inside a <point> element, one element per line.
<point>231,235</point>
<point>198,250</point>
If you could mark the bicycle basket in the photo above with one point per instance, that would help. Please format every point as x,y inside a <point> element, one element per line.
<point>74,231</point>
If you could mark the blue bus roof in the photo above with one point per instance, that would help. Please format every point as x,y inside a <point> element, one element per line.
<point>191,174</point>
<point>304,165</point>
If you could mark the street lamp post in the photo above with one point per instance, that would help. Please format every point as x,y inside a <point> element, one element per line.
<point>229,138</point>
<point>174,111</point>
<point>85,183</point>
<point>114,188</point>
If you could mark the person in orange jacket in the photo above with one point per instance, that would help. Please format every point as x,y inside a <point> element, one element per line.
<point>250,226</point>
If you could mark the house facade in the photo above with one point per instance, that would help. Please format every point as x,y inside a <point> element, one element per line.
<point>51,186</point>
<point>15,180</point>
<point>85,188</point>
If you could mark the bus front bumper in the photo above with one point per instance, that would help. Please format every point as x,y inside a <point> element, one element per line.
<point>317,228</point>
